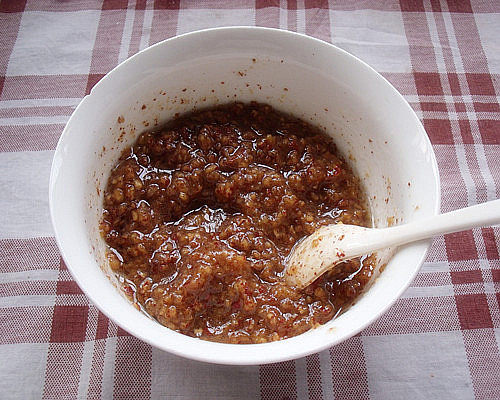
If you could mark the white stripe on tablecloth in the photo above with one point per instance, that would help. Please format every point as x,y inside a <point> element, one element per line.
<point>127,32</point>
<point>301,378</point>
<point>331,7</point>
<point>491,193</point>
<point>33,275</point>
<point>109,368</point>
<point>301,18</point>
<point>326,375</point>
<point>456,116</point>
<point>461,156</point>
<point>54,102</point>
<point>471,114</point>
<point>27,301</point>
<point>283,12</point>
<point>52,120</point>
<point>436,44</point>
<point>24,179</point>
<point>448,98</point>
<point>206,381</point>
<point>147,25</point>
<point>83,384</point>
<point>448,24</point>
<point>463,166</point>
<point>428,291</point>
<point>435,266</point>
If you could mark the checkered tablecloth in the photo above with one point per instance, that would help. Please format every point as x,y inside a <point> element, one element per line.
<point>439,341</point>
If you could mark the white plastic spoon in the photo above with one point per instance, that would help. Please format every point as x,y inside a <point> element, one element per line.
<point>332,244</point>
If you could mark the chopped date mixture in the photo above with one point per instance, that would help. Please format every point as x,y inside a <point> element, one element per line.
<point>200,217</point>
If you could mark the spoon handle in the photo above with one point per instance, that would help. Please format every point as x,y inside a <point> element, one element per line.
<point>479,215</point>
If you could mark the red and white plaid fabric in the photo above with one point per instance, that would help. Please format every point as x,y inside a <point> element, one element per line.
<point>439,341</point>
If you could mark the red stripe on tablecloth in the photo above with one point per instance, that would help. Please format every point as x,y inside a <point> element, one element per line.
<point>489,130</point>
<point>490,243</point>
<point>433,106</point>
<point>102,326</point>
<point>44,86</point>
<point>69,321</point>
<point>439,131</point>
<point>12,6</point>
<point>486,107</point>
<point>314,386</point>
<point>132,379</point>
<point>417,315</point>
<point>495,273</point>
<point>115,4</point>
<point>62,6</point>
<point>484,362</point>
<point>165,20</point>
<point>412,5</point>
<point>29,254</point>
<point>460,246</point>
<point>473,311</point>
<point>463,277</point>
<point>349,377</point>
<point>64,364</point>
<point>278,381</point>
<point>428,83</point>
<point>454,83</point>
<point>68,287</point>
<point>465,131</point>
<point>10,27</point>
<point>92,80</point>
<point>316,4</point>
<point>167,4</point>
<point>69,324</point>
<point>480,84</point>
<point>267,4</point>
<point>25,324</point>
<point>30,137</point>
<point>140,4</point>
<point>460,6</point>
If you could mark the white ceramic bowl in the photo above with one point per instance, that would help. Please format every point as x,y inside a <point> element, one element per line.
<point>370,121</point>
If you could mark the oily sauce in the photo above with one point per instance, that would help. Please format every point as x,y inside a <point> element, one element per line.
<point>200,216</point>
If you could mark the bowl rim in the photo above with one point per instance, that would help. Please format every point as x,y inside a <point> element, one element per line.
<point>225,353</point>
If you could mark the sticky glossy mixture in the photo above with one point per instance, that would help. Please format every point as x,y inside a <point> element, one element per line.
<point>201,215</point>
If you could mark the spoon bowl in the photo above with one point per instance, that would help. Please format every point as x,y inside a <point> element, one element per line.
<point>332,244</point>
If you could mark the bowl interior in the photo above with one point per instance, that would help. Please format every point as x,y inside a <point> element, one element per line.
<point>371,123</point>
